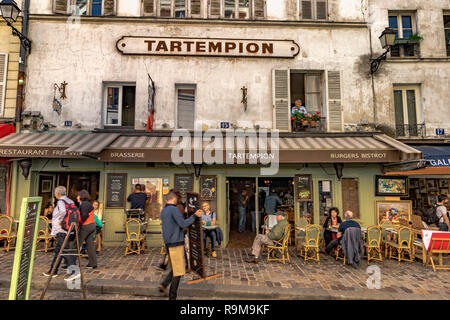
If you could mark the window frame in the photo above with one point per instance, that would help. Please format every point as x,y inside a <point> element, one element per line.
<point>313,10</point>
<point>251,13</point>
<point>185,86</point>
<point>399,15</point>
<point>73,5</point>
<point>120,85</point>
<point>420,119</point>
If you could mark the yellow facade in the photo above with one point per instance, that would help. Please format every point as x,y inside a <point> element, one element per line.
<point>10,45</point>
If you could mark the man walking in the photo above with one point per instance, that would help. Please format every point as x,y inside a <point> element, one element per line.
<point>173,224</point>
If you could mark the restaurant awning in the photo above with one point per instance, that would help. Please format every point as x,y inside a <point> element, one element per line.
<point>116,147</point>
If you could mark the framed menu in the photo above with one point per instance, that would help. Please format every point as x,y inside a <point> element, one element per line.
<point>303,187</point>
<point>184,183</point>
<point>208,189</point>
<point>116,186</point>
<point>196,254</point>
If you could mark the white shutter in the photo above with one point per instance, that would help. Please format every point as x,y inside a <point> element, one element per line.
<point>148,7</point>
<point>334,114</point>
<point>109,7</point>
<point>195,8</point>
<point>281,99</point>
<point>321,10</point>
<point>3,73</point>
<point>259,7</point>
<point>306,9</point>
<point>214,8</point>
<point>60,6</point>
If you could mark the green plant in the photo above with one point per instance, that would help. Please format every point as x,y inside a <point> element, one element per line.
<point>316,116</point>
<point>415,37</point>
<point>301,116</point>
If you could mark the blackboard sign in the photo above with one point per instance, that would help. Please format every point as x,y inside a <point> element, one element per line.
<point>303,187</point>
<point>25,249</point>
<point>196,254</point>
<point>116,186</point>
<point>208,187</point>
<point>184,183</point>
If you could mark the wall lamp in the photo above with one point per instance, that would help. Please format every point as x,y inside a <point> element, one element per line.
<point>9,10</point>
<point>387,40</point>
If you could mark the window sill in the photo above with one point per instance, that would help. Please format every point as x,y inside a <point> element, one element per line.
<point>417,59</point>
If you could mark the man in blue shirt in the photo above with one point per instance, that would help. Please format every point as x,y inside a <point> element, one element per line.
<point>348,223</point>
<point>173,223</point>
<point>271,203</point>
<point>138,198</point>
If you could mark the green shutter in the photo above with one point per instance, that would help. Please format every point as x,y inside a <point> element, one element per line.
<point>399,119</point>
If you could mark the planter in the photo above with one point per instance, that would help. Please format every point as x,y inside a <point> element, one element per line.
<point>305,123</point>
<point>312,123</point>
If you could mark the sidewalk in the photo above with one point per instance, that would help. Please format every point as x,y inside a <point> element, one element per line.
<point>138,276</point>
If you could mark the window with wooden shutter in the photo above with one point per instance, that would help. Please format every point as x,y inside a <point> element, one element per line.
<point>259,7</point>
<point>321,10</point>
<point>195,8</point>
<point>306,9</point>
<point>214,9</point>
<point>313,9</point>
<point>109,7</point>
<point>3,72</point>
<point>148,7</point>
<point>335,114</point>
<point>281,99</point>
<point>60,6</point>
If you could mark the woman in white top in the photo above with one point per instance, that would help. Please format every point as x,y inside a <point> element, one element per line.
<point>441,213</point>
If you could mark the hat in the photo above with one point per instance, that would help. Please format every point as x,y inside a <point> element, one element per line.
<point>280,213</point>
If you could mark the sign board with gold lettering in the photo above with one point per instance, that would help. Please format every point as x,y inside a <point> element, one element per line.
<point>209,47</point>
<point>303,187</point>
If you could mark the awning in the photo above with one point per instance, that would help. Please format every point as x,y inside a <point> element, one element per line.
<point>438,156</point>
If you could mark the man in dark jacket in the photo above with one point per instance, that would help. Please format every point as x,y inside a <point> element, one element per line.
<point>173,224</point>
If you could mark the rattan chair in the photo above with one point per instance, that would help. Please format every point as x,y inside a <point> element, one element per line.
<point>280,246</point>
<point>385,235</point>
<point>6,232</point>
<point>373,244</point>
<point>312,242</point>
<point>401,245</point>
<point>135,236</point>
<point>299,234</point>
<point>44,234</point>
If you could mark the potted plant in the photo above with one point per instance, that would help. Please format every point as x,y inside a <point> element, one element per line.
<point>414,38</point>
<point>314,118</point>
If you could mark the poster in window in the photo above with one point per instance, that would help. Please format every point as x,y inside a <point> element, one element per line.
<point>391,186</point>
<point>208,187</point>
<point>116,186</point>
<point>154,191</point>
<point>303,187</point>
<point>184,183</point>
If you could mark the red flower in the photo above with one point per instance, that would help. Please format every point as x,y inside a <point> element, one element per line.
<point>292,118</point>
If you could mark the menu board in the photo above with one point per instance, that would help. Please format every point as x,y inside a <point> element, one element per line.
<point>116,185</point>
<point>25,249</point>
<point>208,187</point>
<point>184,183</point>
<point>303,187</point>
<point>196,253</point>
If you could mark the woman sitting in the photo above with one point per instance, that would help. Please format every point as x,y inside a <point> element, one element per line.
<point>332,221</point>
<point>209,219</point>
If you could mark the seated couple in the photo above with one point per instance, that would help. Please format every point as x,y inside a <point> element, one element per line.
<point>275,234</point>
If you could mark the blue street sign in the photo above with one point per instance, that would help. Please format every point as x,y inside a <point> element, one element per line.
<point>67,123</point>
<point>440,131</point>
<point>224,125</point>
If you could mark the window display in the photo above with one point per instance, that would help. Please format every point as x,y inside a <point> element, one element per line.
<point>154,191</point>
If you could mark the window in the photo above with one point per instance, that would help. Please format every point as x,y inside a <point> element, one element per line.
<point>154,190</point>
<point>313,9</point>
<point>404,27</point>
<point>173,8</point>
<point>408,114</point>
<point>237,9</point>
<point>119,107</point>
<point>185,106</point>
<point>3,74</point>
<point>447,32</point>
<point>94,8</point>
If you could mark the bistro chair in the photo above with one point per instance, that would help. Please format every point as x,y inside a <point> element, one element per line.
<point>135,237</point>
<point>6,232</point>
<point>311,244</point>
<point>385,235</point>
<point>300,234</point>
<point>44,234</point>
<point>280,246</point>
<point>402,245</point>
<point>373,244</point>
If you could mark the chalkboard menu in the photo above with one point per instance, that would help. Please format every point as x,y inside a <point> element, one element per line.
<point>197,258</point>
<point>25,249</point>
<point>303,187</point>
<point>184,183</point>
<point>208,187</point>
<point>116,186</point>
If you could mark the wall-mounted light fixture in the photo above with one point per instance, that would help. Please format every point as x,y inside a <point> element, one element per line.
<point>197,169</point>
<point>9,10</point>
<point>387,40</point>
<point>25,164</point>
<point>339,167</point>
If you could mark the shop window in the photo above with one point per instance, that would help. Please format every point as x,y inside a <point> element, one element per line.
<point>185,106</point>
<point>154,191</point>
<point>424,193</point>
<point>447,33</point>
<point>404,26</point>
<point>313,9</point>
<point>408,113</point>
<point>119,109</point>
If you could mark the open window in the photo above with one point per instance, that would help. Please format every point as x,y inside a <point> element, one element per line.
<point>94,8</point>
<point>119,105</point>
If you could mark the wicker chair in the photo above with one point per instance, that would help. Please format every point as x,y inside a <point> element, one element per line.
<point>312,243</point>
<point>135,237</point>
<point>385,235</point>
<point>6,232</point>
<point>300,235</point>
<point>402,245</point>
<point>373,244</point>
<point>44,234</point>
<point>280,246</point>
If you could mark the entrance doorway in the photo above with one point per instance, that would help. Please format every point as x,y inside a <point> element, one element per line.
<point>236,186</point>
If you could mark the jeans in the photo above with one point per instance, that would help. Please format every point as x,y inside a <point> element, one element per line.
<point>70,260</point>
<point>242,219</point>
<point>87,233</point>
<point>443,226</point>
<point>253,213</point>
<point>174,282</point>
<point>212,235</point>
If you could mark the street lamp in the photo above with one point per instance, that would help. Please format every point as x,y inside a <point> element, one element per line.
<point>9,12</point>
<point>387,39</point>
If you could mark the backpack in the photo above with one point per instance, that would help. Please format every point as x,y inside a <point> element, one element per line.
<point>431,215</point>
<point>72,215</point>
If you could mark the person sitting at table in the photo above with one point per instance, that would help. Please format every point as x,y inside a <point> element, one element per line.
<point>332,221</point>
<point>348,223</point>
<point>275,234</point>
<point>209,219</point>
<point>48,211</point>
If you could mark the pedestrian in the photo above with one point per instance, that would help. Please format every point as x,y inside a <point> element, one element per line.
<point>442,213</point>
<point>242,209</point>
<point>271,202</point>
<point>59,212</point>
<point>99,217</point>
<point>88,226</point>
<point>173,224</point>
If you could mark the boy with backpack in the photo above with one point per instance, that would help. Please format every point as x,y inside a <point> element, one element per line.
<point>63,203</point>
